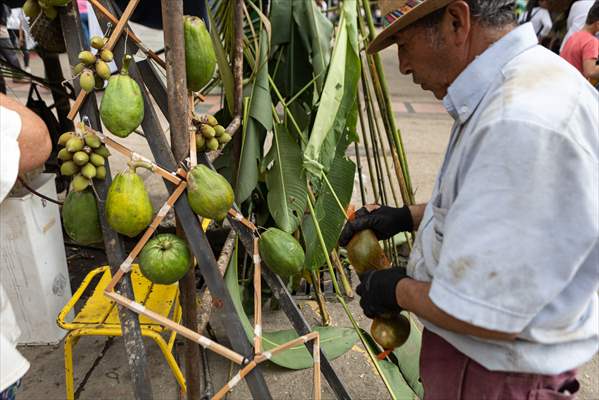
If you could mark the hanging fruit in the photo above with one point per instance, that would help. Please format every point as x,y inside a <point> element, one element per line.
<point>165,259</point>
<point>209,193</point>
<point>281,252</point>
<point>122,106</point>
<point>200,59</point>
<point>80,217</point>
<point>390,333</point>
<point>210,135</point>
<point>128,207</point>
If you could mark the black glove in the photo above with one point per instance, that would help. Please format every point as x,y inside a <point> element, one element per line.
<point>384,221</point>
<point>377,292</point>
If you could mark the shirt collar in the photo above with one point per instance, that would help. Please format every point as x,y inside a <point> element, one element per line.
<point>467,91</point>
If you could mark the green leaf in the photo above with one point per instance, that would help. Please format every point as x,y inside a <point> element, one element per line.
<point>226,76</point>
<point>408,357</point>
<point>316,31</point>
<point>286,181</point>
<point>401,390</point>
<point>328,214</point>
<point>259,121</point>
<point>334,341</point>
<point>280,17</point>
<point>338,95</point>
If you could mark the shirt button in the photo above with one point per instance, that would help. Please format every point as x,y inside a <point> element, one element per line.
<point>463,110</point>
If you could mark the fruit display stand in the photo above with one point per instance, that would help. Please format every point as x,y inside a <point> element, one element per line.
<point>242,352</point>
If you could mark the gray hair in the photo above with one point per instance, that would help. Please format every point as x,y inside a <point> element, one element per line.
<point>489,13</point>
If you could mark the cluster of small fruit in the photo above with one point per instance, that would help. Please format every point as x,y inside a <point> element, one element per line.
<point>93,69</point>
<point>83,157</point>
<point>32,8</point>
<point>210,135</point>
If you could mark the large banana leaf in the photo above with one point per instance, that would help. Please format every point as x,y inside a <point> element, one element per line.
<point>226,76</point>
<point>259,121</point>
<point>408,357</point>
<point>334,341</point>
<point>338,95</point>
<point>328,213</point>
<point>400,389</point>
<point>286,181</point>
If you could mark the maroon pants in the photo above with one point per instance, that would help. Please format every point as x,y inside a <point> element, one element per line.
<point>448,374</point>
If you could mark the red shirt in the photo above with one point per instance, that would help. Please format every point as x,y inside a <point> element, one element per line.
<point>581,46</point>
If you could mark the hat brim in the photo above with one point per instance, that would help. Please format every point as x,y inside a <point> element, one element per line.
<point>385,38</point>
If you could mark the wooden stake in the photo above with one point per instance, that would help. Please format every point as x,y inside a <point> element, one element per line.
<point>257,299</point>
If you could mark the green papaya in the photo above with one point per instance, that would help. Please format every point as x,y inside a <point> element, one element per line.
<point>122,107</point>
<point>31,9</point>
<point>128,207</point>
<point>80,217</point>
<point>200,59</point>
<point>209,194</point>
<point>165,259</point>
<point>281,252</point>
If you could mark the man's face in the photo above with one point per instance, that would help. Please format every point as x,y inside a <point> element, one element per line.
<point>423,53</point>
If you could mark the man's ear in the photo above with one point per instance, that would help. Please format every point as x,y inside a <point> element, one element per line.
<point>457,21</point>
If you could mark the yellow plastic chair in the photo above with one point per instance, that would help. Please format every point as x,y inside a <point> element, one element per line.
<point>99,317</point>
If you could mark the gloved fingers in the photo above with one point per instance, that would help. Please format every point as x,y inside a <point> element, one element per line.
<point>353,227</point>
<point>368,311</point>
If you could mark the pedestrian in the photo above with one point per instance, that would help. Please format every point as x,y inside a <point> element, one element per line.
<point>503,271</point>
<point>577,15</point>
<point>25,146</point>
<point>18,28</point>
<point>7,51</point>
<point>538,14</point>
<point>582,49</point>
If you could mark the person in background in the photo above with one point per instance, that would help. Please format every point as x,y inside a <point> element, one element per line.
<point>24,145</point>
<point>7,51</point>
<point>582,49</point>
<point>538,14</point>
<point>503,270</point>
<point>18,28</point>
<point>82,5</point>
<point>576,18</point>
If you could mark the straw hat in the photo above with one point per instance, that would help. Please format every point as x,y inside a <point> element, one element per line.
<point>397,14</point>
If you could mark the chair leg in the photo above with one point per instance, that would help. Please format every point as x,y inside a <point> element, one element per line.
<point>170,359</point>
<point>70,341</point>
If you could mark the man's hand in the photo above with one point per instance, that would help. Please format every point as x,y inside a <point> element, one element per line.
<point>377,291</point>
<point>384,221</point>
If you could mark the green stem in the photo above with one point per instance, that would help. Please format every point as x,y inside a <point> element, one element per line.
<point>126,62</point>
<point>289,114</point>
<point>371,169</point>
<point>140,164</point>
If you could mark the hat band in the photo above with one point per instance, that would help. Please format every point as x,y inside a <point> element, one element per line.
<point>400,12</point>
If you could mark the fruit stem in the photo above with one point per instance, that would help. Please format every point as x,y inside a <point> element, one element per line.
<point>140,164</point>
<point>126,62</point>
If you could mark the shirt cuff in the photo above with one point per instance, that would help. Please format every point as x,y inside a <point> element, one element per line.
<point>475,311</point>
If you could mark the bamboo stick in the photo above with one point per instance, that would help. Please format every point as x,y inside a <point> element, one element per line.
<point>316,358</point>
<point>324,312</point>
<point>257,299</point>
<point>371,169</point>
<point>344,280</point>
<point>114,36</point>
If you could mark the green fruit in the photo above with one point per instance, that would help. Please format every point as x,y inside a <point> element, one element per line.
<point>200,59</point>
<point>365,253</point>
<point>74,144</point>
<point>128,207</point>
<point>77,69</point>
<point>211,120</point>
<point>103,151</point>
<point>122,107</point>
<point>92,140</point>
<point>97,42</point>
<point>97,160</point>
<point>390,333</point>
<point>86,57</point>
<point>101,172</point>
<point>281,252</point>
<point>80,217</point>
<point>64,155</point>
<point>58,3</point>
<point>68,168</point>
<point>102,69</point>
<point>80,183</point>
<point>106,55</point>
<point>219,130</point>
<point>209,194</point>
<point>89,171</point>
<point>31,9</point>
<point>87,81</point>
<point>207,131</point>
<point>212,144</point>
<point>224,138</point>
<point>200,142</point>
<point>64,138</point>
<point>165,259</point>
<point>80,158</point>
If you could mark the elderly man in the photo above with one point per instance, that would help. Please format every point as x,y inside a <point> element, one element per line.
<point>503,273</point>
